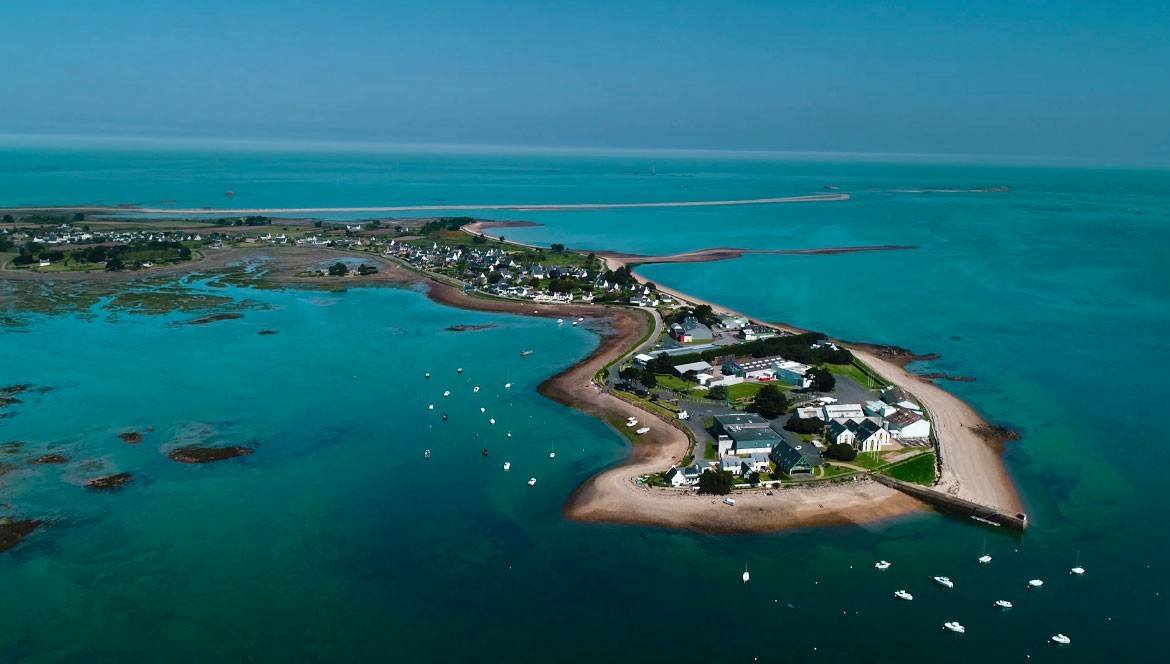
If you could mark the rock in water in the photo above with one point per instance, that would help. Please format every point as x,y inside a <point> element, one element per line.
<point>197,454</point>
<point>109,482</point>
<point>49,460</point>
<point>13,530</point>
<point>131,437</point>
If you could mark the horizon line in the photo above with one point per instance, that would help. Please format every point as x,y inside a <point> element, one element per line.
<point>18,139</point>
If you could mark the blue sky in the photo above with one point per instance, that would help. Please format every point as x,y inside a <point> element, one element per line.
<point>1083,79</point>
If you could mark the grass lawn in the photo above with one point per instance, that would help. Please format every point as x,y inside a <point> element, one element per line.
<point>828,470</point>
<point>853,371</point>
<point>673,383</point>
<point>743,390</point>
<point>868,460</point>
<point>919,470</point>
<point>709,451</point>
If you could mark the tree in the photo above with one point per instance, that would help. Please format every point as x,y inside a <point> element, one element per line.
<point>79,217</point>
<point>185,253</point>
<point>631,373</point>
<point>718,393</point>
<point>478,239</point>
<point>364,269</point>
<point>652,286</point>
<point>317,224</point>
<point>823,380</point>
<point>841,452</point>
<point>714,483</point>
<point>705,315</point>
<point>8,219</point>
<point>338,269</point>
<point>649,380</point>
<point>806,425</point>
<point>770,402</point>
<point>557,248</point>
<point>113,264</point>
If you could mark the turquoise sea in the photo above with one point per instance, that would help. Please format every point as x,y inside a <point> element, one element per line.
<point>336,541</point>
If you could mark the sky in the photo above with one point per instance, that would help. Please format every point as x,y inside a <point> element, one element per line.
<point>1021,78</point>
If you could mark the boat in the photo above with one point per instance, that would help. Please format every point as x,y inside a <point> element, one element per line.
<point>431,406</point>
<point>985,558</point>
<point>1076,568</point>
<point>482,409</point>
<point>525,353</point>
<point>944,581</point>
<point>642,430</point>
<point>955,627</point>
<point>581,320</point>
<point>444,417</point>
<point>1003,604</point>
<point>532,482</point>
<point>552,453</point>
<point>426,454</point>
<point>881,564</point>
<point>507,465</point>
<point>475,389</point>
<point>988,522</point>
<point>902,594</point>
<point>492,421</point>
<point>485,451</point>
<point>428,375</point>
<point>446,393</point>
<point>1035,583</point>
<point>509,434</point>
<point>459,370</point>
<point>560,321</point>
<point>1061,639</point>
<point>746,577</point>
<point>507,385</point>
<point>574,323</point>
<point>631,423</point>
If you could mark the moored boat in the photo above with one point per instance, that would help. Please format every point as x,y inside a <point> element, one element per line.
<point>507,465</point>
<point>642,430</point>
<point>985,558</point>
<point>525,353</point>
<point>1003,604</point>
<point>1035,583</point>
<point>1061,639</point>
<point>944,581</point>
<point>532,482</point>
<point>902,594</point>
<point>426,454</point>
<point>881,564</point>
<point>955,627</point>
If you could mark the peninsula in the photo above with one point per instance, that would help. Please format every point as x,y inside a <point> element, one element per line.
<point>803,479</point>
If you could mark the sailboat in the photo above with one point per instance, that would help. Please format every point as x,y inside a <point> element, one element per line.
<point>552,454</point>
<point>1077,569</point>
<point>507,465</point>
<point>492,421</point>
<point>746,577</point>
<point>475,389</point>
<point>426,454</point>
<point>985,558</point>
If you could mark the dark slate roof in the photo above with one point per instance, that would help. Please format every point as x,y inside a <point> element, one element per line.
<point>894,395</point>
<point>787,454</point>
<point>866,428</point>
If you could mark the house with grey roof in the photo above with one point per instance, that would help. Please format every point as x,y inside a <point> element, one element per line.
<point>733,465</point>
<point>740,420</point>
<point>796,459</point>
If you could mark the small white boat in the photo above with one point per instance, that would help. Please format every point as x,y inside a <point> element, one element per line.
<point>507,465</point>
<point>1061,639</point>
<point>631,423</point>
<point>580,320</point>
<point>944,581</point>
<point>525,353</point>
<point>428,375</point>
<point>431,407</point>
<point>492,421</point>
<point>955,627</point>
<point>560,321</point>
<point>459,370</point>
<point>482,409</point>
<point>902,594</point>
<point>985,558</point>
<point>1035,583</point>
<point>642,430</point>
<point>532,482</point>
<point>426,454</point>
<point>475,389</point>
<point>881,564</point>
<point>1078,570</point>
<point>446,393</point>
<point>507,385</point>
<point>746,577</point>
<point>574,323</point>
<point>509,434</point>
<point>1003,604</point>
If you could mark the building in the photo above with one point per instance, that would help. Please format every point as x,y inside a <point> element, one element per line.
<point>866,434</point>
<point>696,330</point>
<point>843,411</point>
<point>907,424</point>
<point>792,373</point>
<point>752,440</point>
<point>796,459</point>
<point>809,413</point>
<point>741,420</point>
<point>840,433</point>
<point>757,462</point>
<point>768,368</point>
<point>733,465</point>
<point>641,359</point>
<point>675,477</point>
<point>879,408</point>
<point>894,394</point>
<point>697,367</point>
<point>733,322</point>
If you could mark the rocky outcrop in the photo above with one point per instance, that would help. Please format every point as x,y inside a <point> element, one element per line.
<point>14,530</point>
<point>49,460</point>
<point>109,482</point>
<point>198,454</point>
<point>131,437</point>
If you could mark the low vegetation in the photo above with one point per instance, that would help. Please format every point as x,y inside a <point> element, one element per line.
<point>919,470</point>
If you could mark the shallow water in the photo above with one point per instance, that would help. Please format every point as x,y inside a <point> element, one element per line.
<point>335,540</point>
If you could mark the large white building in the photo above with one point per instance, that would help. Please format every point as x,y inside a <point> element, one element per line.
<point>908,424</point>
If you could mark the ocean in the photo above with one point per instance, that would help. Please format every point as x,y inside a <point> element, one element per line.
<point>336,541</point>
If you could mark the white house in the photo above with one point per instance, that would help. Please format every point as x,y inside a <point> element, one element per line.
<point>809,413</point>
<point>733,465</point>
<point>843,411</point>
<point>757,462</point>
<point>840,432</point>
<point>697,367</point>
<point>675,477</point>
<point>908,424</point>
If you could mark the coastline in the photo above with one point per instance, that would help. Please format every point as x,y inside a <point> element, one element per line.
<point>971,468</point>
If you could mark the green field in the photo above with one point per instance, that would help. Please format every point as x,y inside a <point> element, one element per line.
<point>919,470</point>
<point>855,372</point>
<point>743,391</point>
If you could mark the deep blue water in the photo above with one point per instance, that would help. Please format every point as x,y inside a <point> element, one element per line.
<point>335,541</point>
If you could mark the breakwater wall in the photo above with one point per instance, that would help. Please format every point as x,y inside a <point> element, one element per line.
<point>954,505</point>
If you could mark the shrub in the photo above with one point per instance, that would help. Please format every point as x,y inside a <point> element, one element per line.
<point>841,452</point>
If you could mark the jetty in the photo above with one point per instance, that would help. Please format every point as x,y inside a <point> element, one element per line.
<point>945,502</point>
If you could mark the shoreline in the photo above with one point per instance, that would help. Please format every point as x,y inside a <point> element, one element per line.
<point>972,467</point>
